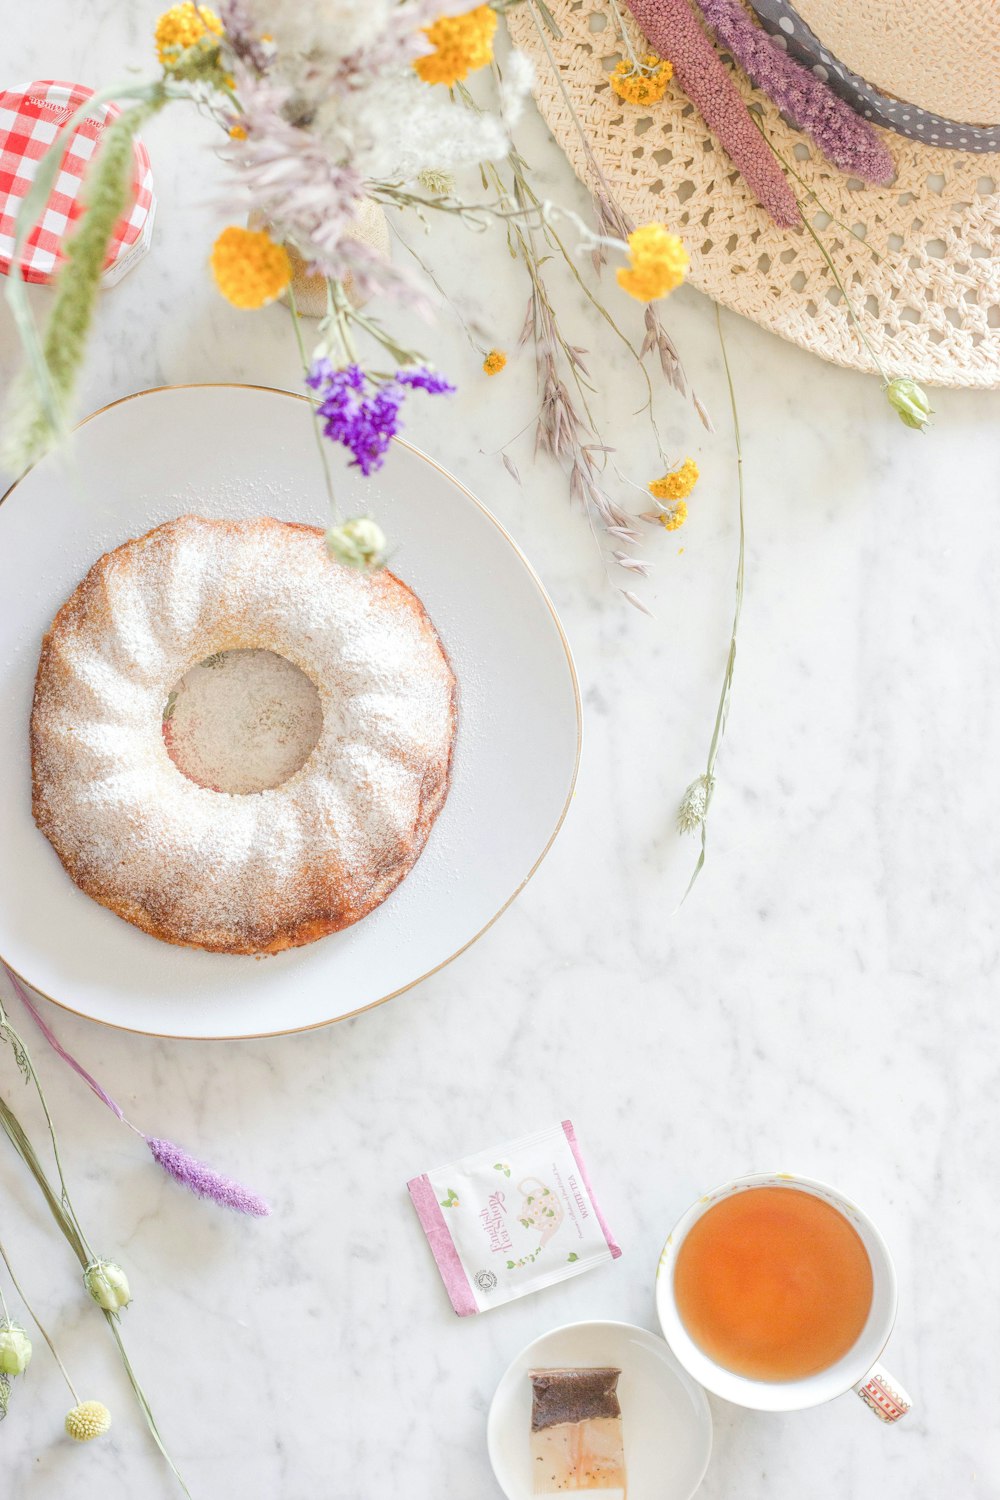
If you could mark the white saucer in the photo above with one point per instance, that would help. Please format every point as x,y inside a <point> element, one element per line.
<point>244,451</point>
<point>666,1421</point>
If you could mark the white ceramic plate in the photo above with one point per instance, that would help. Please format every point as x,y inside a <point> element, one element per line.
<point>666,1422</point>
<point>244,451</point>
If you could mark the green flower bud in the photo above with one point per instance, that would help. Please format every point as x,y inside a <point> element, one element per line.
<point>107,1284</point>
<point>15,1348</point>
<point>909,401</point>
<point>359,543</point>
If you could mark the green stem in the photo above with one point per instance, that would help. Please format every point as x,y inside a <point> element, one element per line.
<point>722,712</point>
<point>37,1322</point>
<point>844,293</point>
<point>838,280</point>
<point>320,447</point>
<point>19,1042</point>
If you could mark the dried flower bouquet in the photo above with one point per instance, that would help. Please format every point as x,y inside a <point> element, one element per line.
<point>327,107</point>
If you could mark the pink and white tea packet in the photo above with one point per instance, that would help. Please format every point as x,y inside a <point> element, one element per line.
<point>512,1219</point>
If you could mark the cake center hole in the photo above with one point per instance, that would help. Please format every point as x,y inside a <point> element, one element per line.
<point>242,721</point>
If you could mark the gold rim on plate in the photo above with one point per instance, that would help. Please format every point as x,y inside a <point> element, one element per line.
<point>250,1036</point>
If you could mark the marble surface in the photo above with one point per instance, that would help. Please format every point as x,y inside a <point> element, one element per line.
<point>825,1001</point>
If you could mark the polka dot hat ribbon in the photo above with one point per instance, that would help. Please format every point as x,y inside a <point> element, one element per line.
<point>790,31</point>
<point>30,120</point>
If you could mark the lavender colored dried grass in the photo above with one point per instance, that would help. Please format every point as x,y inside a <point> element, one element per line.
<point>202,1179</point>
<point>842,135</point>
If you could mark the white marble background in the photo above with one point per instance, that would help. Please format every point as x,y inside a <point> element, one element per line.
<point>825,1001</point>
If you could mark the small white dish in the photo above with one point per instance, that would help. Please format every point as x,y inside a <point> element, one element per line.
<point>243,451</point>
<point>666,1421</point>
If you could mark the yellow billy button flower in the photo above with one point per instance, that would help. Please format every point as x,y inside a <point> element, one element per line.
<point>107,1284</point>
<point>646,84</point>
<point>182,26</point>
<point>15,1348</point>
<point>358,543</point>
<point>89,1420</point>
<point>461,45</point>
<point>676,485</point>
<point>250,270</point>
<point>658,263</point>
<point>494,362</point>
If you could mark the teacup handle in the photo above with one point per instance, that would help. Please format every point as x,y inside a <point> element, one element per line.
<point>884,1394</point>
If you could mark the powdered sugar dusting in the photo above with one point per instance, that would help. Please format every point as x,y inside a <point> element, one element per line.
<point>252,871</point>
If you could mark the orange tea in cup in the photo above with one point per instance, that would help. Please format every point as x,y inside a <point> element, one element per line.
<point>773,1283</point>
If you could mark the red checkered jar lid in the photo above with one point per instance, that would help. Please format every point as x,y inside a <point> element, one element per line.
<point>30,120</point>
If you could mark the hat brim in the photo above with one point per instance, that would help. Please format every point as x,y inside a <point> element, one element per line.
<point>920,259</point>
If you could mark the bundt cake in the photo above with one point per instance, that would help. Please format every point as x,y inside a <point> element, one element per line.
<point>239,871</point>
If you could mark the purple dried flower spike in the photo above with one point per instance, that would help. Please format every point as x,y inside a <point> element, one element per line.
<point>204,1180</point>
<point>364,415</point>
<point>842,135</point>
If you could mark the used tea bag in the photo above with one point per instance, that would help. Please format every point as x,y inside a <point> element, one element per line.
<point>576,1433</point>
<point>512,1219</point>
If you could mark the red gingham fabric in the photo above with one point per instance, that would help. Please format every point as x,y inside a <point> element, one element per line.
<point>30,120</point>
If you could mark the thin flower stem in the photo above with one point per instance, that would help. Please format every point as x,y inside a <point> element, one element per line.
<point>755,113</point>
<point>320,448</point>
<point>36,1320</point>
<point>838,280</point>
<point>847,300</point>
<point>625,39</point>
<point>722,712</point>
<point>436,284</point>
<point>19,1043</point>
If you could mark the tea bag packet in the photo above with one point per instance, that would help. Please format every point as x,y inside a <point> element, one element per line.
<point>512,1219</point>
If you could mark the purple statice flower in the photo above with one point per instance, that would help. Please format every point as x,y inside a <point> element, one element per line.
<point>363,414</point>
<point>204,1180</point>
<point>423,378</point>
<point>842,135</point>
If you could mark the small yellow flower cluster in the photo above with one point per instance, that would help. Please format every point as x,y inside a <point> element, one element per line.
<point>461,45</point>
<point>89,1420</point>
<point>643,85</point>
<point>182,26</point>
<point>658,263</point>
<point>676,485</point>
<point>494,362</point>
<point>250,270</point>
<point>674,488</point>
<point>237,132</point>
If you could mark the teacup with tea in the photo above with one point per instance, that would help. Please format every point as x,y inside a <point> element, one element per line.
<point>775,1292</point>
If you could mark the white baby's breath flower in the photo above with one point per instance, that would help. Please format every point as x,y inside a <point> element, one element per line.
<point>400,127</point>
<point>322,28</point>
<point>518,79</point>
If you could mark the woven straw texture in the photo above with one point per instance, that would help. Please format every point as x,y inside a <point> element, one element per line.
<point>934,53</point>
<point>920,259</point>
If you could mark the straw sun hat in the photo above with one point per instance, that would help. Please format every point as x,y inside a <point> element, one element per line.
<point>926,73</point>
